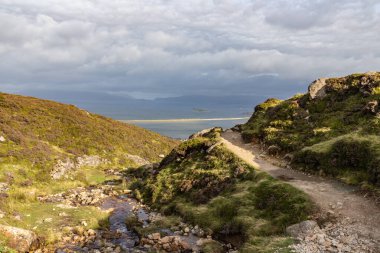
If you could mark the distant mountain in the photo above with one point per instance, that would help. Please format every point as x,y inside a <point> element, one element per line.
<point>123,107</point>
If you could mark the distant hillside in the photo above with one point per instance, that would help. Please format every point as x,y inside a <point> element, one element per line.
<point>38,133</point>
<point>333,129</point>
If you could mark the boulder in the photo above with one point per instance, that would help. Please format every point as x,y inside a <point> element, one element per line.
<point>371,107</point>
<point>62,168</point>
<point>289,157</point>
<point>138,160</point>
<point>19,239</point>
<point>317,89</point>
<point>273,150</point>
<point>301,230</point>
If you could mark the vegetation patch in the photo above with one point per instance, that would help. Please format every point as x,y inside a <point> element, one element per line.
<point>37,135</point>
<point>209,186</point>
<point>336,133</point>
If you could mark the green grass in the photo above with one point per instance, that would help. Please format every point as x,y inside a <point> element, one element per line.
<point>38,133</point>
<point>205,189</point>
<point>34,213</point>
<point>309,127</point>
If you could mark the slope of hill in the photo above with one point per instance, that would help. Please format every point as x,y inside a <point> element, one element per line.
<point>48,147</point>
<point>333,129</point>
<point>206,184</point>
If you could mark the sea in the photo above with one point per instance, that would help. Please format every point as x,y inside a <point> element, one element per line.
<point>183,128</point>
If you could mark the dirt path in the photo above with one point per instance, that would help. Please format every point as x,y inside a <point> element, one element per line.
<point>360,215</point>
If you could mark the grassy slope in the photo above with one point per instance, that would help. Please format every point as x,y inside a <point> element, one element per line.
<point>334,135</point>
<point>222,194</point>
<point>40,132</point>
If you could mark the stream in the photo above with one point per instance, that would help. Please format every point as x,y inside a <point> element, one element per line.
<point>118,237</point>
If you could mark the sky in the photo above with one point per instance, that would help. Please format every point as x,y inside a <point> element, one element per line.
<point>162,48</point>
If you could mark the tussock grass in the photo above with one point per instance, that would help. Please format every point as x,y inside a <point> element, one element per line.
<point>317,130</point>
<point>224,195</point>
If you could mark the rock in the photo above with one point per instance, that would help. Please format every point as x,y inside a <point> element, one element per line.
<point>208,151</point>
<point>273,150</point>
<point>288,157</point>
<point>138,160</point>
<point>317,89</point>
<point>237,128</point>
<point>372,107</point>
<point>154,236</point>
<point>302,229</point>
<point>2,139</point>
<point>48,220</point>
<point>90,160</point>
<point>186,230</point>
<point>161,155</point>
<point>4,187</point>
<point>165,239</point>
<point>20,239</point>
<point>62,168</point>
<point>239,171</point>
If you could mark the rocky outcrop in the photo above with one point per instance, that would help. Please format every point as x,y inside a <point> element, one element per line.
<point>302,229</point>
<point>317,89</point>
<point>64,167</point>
<point>137,160</point>
<point>341,236</point>
<point>19,239</point>
<point>372,107</point>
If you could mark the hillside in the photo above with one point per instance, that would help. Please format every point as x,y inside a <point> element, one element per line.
<point>207,185</point>
<point>334,129</point>
<point>48,147</point>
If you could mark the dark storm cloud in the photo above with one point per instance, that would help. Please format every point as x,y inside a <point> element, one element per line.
<point>167,48</point>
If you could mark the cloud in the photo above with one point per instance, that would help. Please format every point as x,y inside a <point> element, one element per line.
<point>167,48</point>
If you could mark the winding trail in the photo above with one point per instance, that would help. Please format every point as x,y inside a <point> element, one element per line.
<point>328,194</point>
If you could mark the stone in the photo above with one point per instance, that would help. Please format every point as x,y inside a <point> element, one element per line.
<point>48,220</point>
<point>317,89</point>
<point>372,107</point>
<point>138,160</point>
<point>2,139</point>
<point>155,236</point>
<point>302,229</point>
<point>161,155</point>
<point>165,239</point>
<point>20,239</point>
<point>4,187</point>
<point>273,150</point>
<point>62,168</point>
<point>288,157</point>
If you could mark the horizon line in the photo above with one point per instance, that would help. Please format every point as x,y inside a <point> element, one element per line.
<point>179,120</point>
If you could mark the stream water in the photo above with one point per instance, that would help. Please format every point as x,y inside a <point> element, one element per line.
<point>118,234</point>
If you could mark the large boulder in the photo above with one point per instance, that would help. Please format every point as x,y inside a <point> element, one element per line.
<point>317,89</point>
<point>19,239</point>
<point>372,107</point>
<point>303,229</point>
